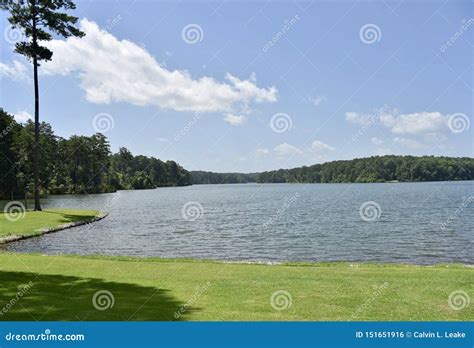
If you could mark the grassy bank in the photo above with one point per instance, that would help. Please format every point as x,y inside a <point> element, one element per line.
<point>63,288</point>
<point>31,223</point>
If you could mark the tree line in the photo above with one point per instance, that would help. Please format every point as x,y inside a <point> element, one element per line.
<point>202,177</point>
<point>359,170</point>
<point>80,164</point>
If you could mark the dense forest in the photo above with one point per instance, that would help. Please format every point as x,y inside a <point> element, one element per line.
<point>363,170</point>
<point>200,177</point>
<point>79,164</point>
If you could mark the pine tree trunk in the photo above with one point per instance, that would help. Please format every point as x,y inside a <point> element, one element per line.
<point>37,144</point>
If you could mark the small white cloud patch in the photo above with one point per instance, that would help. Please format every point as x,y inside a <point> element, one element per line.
<point>416,123</point>
<point>318,100</point>
<point>22,116</point>
<point>319,146</point>
<point>411,143</point>
<point>234,120</point>
<point>286,150</point>
<point>15,71</point>
<point>358,118</point>
<point>376,141</point>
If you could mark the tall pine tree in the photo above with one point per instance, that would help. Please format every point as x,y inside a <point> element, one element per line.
<point>39,19</point>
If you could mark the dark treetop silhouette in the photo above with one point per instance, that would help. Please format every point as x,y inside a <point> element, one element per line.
<point>38,18</point>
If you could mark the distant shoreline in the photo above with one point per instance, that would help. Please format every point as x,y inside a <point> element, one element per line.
<point>374,169</point>
<point>327,183</point>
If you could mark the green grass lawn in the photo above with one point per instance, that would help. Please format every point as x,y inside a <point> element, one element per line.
<point>32,221</point>
<point>63,288</point>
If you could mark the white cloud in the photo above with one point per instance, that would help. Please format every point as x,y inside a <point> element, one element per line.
<point>234,120</point>
<point>318,100</point>
<point>286,150</point>
<point>368,119</point>
<point>416,123</point>
<point>319,146</point>
<point>376,141</point>
<point>15,71</point>
<point>358,118</point>
<point>411,143</point>
<point>429,128</point>
<point>113,70</point>
<point>22,116</point>
<point>262,152</point>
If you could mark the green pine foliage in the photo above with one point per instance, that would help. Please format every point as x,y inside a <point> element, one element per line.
<point>79,164</point>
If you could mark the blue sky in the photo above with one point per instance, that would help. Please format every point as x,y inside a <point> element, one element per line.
<point>252,86</point>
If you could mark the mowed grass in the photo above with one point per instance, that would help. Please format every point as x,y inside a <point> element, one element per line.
<point>28,224</point>
<point>63,288</point>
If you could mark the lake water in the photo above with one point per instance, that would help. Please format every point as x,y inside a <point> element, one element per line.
<point>420,223</point>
